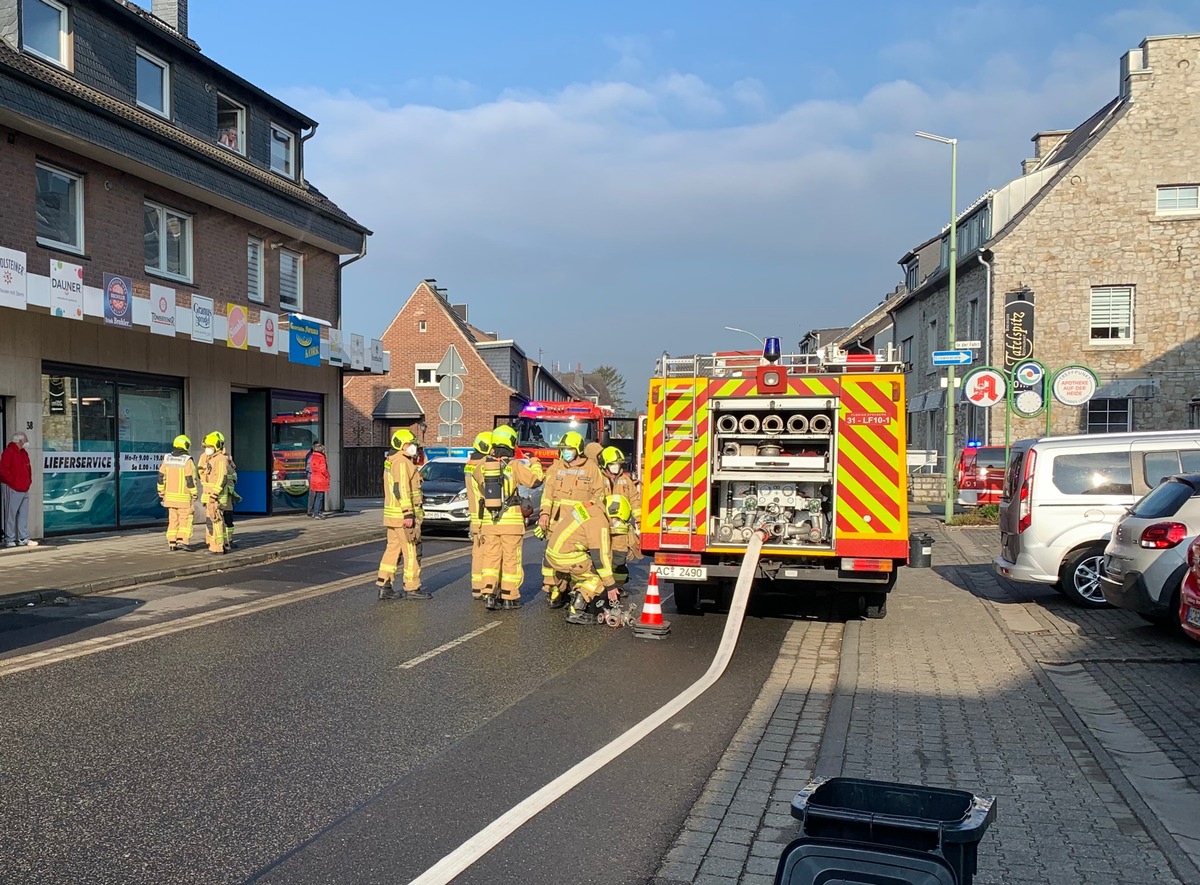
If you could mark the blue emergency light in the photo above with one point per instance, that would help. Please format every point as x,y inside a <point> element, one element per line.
<point>771,350</point>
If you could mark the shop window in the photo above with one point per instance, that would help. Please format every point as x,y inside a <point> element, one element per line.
<point>44,30</point>
<point>153,84</point>
<point>231,125</point>
<point>283,151</point>
<point>59,209</point>
<point>295,426</point>
<point>148,420</point>
<point>168,242</point>
<point>291,279</point>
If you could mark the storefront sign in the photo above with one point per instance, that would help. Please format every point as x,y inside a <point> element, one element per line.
<point>358,356</point>
<point>78,462</point>
<point>1074,385</point>
<point>141,462</point>
<point>270,331</point>
<point>56,388</point>
<point>12,279</point>
<point>202,319</point>
<point>66,290</point>
<point>118,301</point>
<point>1018,327</point>
<point>239,327</point>
<point>336,357</point>
<point>376,356</point>
<point>305,341</point>
<point>162,310</point>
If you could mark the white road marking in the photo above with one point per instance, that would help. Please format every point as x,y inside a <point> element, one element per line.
<point>453,643</point>
<point>34,660</point>
<point>461,858</point>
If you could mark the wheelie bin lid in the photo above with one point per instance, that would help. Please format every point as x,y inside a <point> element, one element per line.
<point>807,860</point>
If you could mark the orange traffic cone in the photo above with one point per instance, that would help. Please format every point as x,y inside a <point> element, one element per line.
<point>651,625</point>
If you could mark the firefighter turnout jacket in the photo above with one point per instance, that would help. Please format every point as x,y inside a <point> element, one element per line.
<point>216,479</point>
<point>402,491</point>
<point>579,482</point>
<point>626,486</point>
<point>581,536</point>
<point>497,481</point>
<point>178,480</point>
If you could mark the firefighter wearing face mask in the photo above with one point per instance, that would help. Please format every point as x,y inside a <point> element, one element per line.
<point>402,518</point>
<point>501,521</point>
<point>626,543</point>
<point>572,479</point>
<point>178,488</point>
<point>579,550</point>
<point>480,450</point>
<point>215,480</point>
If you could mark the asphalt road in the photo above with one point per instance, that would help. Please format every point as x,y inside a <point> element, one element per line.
<point>289,744</point>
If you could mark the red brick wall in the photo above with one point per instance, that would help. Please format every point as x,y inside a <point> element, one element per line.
<point>483,396</point>
<point>113,228</point>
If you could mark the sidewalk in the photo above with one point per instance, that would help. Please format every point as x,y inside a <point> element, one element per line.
<point>94,563</point>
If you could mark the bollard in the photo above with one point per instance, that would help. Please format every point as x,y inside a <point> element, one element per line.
<point>920,550</point>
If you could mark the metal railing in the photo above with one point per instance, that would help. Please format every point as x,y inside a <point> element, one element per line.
<point>725,365</point>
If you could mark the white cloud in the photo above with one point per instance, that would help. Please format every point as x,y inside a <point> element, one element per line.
<point>611,220</point>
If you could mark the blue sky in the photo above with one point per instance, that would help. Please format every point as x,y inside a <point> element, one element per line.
<point>603,182</point>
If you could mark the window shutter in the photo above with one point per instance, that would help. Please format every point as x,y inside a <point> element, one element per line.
<point>1112,307</point>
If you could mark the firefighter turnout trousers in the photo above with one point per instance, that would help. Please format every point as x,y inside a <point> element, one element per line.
<point>402,543</point>
<point>180,523</point>
<point>502,524</point>
<point>403,500</point>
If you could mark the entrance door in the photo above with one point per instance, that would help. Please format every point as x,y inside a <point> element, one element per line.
<point>251,450</point>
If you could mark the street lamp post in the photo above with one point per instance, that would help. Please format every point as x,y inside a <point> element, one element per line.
<point>950,331</point>
<point>744,332</point>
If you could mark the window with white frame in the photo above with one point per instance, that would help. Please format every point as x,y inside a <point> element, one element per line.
<point>422,326</point>
<point>153,84</point>
<point>44,30</point>
<point>912,275</point>
<point>59,209</point>
<point>291,279</point>
<point>1111,315</point>
<point>231,124</point>
<point>427,375</point>
<point>283,151</point>
<point>1108,416</point>
<point>167,240</point>
<point>255,290</point>
<point>973,319</point>
<point>1178,198</point>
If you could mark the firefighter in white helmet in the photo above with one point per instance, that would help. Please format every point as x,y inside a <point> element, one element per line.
<point>178,489</point>
<point>501,520</point>
<point>402,513</point>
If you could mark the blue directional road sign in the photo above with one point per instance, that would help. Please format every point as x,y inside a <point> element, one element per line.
<point>953,358</point>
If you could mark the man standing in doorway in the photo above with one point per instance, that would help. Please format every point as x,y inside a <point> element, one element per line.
<point>16,476</point>
<point>178,488</point>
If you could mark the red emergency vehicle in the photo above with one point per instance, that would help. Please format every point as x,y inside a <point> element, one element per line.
<point>542,424</point>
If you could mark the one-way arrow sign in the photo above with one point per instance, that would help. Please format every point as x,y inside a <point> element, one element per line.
<point>952,357</point>
<point>451,363</point>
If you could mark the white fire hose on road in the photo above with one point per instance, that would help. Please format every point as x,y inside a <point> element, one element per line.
<point>463,857</point>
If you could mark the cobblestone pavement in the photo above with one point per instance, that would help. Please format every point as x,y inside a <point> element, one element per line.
<point>960,686</point>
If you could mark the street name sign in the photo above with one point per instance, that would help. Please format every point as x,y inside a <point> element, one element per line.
<point>968,345</point>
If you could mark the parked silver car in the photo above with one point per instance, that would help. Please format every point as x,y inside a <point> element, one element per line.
<point>1145,561</point>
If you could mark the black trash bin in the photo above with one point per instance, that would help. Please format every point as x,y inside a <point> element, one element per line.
<point>920,550</point>
<point>880,816</point>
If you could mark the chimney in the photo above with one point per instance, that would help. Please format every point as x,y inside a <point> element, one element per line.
<point>1029,165</point>
<point>1045,142</point>
<point>1134,67</point>
<point>461,310</point>
<point>173,12</point>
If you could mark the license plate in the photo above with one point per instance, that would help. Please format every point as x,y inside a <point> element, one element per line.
<point>1193,616</point>
<point>683,572</point>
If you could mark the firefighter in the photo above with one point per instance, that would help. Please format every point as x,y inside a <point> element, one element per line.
<point>480,450</point>
<point>572,479</point>
<point>214,479</point>
<point>626,544</point>
<point>402,518</point>
<point>578,550</point>
<point>502,522</point>
<point>178,488</point>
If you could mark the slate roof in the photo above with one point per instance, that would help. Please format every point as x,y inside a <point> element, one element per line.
<point>398,404</point>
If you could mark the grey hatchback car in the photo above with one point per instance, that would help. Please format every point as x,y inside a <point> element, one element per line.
<point>1145,561</point>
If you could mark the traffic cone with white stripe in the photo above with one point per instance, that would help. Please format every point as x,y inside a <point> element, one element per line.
<point>651,625</point>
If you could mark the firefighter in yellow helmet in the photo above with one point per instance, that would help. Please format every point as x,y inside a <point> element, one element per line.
<point>178,488</point>
<point>572,479</point>
<point>402,518</point>
<point>626,543</point>
<point>480,450</point>
<point>215,491</point>
<point>579,551</point>
<point>502,522</point>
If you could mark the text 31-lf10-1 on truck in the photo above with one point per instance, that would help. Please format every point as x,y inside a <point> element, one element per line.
<point>807,449</point>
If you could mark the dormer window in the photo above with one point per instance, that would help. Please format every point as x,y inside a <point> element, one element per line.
<point>912,274</point>
<point>153,84</point>
<point>231,125</point>
<point>44,30</point>
<point>283,151</point>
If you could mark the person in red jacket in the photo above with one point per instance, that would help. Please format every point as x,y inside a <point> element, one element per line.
<point>16,476</point>
<point>318,481</point>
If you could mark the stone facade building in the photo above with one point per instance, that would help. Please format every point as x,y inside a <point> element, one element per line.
<point>1098,244</point>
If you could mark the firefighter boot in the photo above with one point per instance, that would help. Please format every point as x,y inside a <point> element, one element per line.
<point>385,589</point>
<point>578,612</point>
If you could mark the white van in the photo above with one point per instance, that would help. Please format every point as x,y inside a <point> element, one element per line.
<point>1062,495</point>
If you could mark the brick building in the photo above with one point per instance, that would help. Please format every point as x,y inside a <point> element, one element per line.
<point>499,377</point>
<point>166,265</point>
<point>1098,240</point>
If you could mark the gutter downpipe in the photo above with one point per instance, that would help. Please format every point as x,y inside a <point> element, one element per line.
<point>300,154</point>
<point>362,253</point>
<point>987,337</point>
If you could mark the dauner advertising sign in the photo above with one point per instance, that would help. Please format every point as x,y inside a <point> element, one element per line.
<point>1018,327</point>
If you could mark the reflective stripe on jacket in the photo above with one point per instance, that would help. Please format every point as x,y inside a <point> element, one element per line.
<point>178,480</point>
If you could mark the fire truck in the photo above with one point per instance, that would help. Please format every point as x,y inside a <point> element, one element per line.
<point>542,424</point>
<point>807,449</point>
